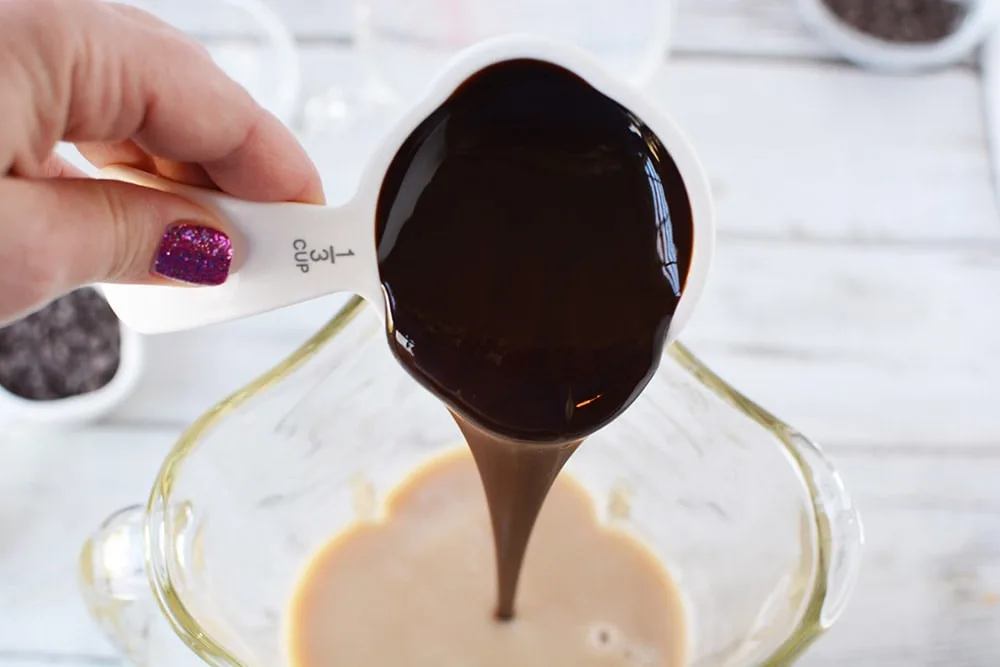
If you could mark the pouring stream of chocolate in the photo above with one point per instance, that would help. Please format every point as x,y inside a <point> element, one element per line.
<point>533,238</point>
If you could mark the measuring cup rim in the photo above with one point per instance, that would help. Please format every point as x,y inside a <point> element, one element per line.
<point>468,62</point>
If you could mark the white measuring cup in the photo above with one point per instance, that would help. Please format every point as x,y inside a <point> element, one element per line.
<point>287,253</point>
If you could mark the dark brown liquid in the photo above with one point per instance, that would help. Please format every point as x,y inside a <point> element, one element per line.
<point>516,478</point>
<point>533,238</point>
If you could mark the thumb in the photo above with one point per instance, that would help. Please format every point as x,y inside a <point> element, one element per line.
<point>59,234</point>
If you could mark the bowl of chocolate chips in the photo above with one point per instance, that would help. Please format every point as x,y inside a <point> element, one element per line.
<point>68,364</point>
<point>901,36</point>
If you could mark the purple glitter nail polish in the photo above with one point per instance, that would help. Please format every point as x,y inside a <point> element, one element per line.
<point>194,254</point>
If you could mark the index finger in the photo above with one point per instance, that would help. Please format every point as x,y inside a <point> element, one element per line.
<point>119,78</point>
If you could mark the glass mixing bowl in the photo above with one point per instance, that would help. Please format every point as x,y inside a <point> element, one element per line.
<point>747,514</point>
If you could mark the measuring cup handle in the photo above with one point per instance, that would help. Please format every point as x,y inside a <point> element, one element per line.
<point>283,254</point>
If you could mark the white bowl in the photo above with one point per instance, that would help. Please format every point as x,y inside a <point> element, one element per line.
<point>877,54</point>
<point>17,412</point>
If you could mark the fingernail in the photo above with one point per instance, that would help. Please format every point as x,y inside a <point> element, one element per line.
<point>194,254</point>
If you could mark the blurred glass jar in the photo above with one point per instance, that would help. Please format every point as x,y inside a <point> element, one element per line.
<point>247,40</point>
<point>408,41</point>
<point>403,44</point>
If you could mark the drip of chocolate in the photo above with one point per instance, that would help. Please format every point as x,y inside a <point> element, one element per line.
<point>534,239</point>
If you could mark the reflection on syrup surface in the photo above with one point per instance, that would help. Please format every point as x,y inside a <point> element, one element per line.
<point>533,238</point>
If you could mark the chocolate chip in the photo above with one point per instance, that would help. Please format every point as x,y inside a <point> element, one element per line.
<point>905,21</point>
<point>70,347</point>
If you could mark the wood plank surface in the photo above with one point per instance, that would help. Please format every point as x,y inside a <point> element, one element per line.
<point>54,491</point>
<point>929,590</point>
<point>853,295</point>
<point>762,28</point>
<point>33,659</point>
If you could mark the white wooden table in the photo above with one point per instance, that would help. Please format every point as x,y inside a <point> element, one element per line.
<point>856,294</point>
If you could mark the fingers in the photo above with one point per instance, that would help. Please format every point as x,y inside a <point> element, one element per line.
<point>104,153</point>
<point>189,111</point>
<point>123,77</point>
<point>128,153</point>
<point>55,167</point>
<point>57,234</point>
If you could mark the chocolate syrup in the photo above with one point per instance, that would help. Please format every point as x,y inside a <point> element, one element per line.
<point>534,238</point>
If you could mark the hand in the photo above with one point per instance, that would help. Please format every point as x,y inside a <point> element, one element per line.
<point>126,89</point>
